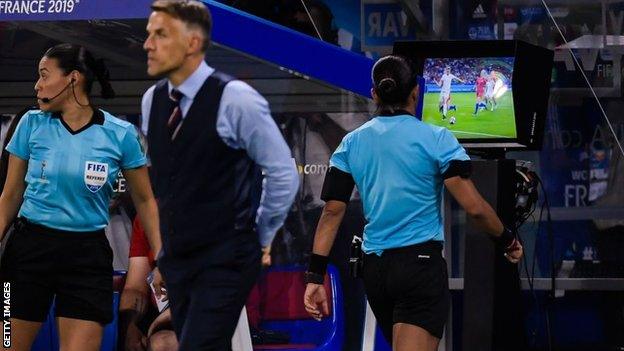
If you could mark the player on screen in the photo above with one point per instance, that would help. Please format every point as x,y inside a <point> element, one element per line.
<point>490,90</point>
<point>480,90</point>
<point>445,92</point>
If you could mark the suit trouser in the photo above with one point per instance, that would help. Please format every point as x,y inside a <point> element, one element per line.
<point>207,291</point>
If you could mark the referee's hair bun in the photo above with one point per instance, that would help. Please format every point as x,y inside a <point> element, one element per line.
<point>388,90</point>
<point>393,80</point>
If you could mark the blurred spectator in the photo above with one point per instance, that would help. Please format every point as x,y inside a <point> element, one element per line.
<point>8,123</point>
<point>141,326</point>
<point>121,211</point>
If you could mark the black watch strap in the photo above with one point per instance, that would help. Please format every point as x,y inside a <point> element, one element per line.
<point>506,239</point>
<point>159,255</point>
<point>313,278</point>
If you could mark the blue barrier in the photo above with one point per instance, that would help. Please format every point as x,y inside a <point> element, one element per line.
<point>309,334</point>
<point>282,46</point>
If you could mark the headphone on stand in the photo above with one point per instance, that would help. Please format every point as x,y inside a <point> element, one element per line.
<point>526,191</point>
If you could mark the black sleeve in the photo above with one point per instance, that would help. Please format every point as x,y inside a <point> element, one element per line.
<point>338,185</point>
<point>458,168</point>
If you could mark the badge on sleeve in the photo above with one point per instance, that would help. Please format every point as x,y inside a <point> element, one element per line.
<point>95,176</point>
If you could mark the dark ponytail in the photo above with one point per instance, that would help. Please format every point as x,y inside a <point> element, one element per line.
<point>72,57</point>
<point>393,80</point>
<point>101,74</point>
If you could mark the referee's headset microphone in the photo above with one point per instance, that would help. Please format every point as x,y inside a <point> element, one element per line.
<point>46,100</point>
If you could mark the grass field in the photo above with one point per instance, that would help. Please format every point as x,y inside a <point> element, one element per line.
<point>499,123</point>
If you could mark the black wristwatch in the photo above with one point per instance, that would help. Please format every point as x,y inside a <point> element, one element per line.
<point>506,239</point>
<point>313,278</point>
<point>159,255</point>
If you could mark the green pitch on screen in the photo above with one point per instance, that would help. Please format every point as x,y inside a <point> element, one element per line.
<point>499,123</point>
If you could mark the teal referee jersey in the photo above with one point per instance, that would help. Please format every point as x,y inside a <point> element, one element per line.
<point>397,164</point>
<point>70,174</point>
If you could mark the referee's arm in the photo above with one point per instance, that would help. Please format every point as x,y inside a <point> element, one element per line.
<point>328,225</point>
<point>145,204</point>
<point>464,191</point>
<point>484,216</point>
<point>337,190</point>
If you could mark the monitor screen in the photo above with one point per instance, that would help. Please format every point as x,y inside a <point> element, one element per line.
<point>472,97</point>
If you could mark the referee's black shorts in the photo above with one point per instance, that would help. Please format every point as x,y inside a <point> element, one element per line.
<point>42,263</point>
<point>408,285</point>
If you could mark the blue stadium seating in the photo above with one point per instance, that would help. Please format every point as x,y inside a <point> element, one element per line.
<point>305,332</point>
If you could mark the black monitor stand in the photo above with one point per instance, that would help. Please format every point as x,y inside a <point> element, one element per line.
<point>492,154</point>
<point>493,317</point>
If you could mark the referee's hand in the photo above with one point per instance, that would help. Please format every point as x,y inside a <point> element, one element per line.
<point>315,301</point>
<point>159,285</point>
<point>515,252</point>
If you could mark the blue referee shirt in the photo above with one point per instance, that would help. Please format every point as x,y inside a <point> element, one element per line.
<point>70,175</point>
<point>397,163</point>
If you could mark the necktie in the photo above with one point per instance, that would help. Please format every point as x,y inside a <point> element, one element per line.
<point>175,120</point>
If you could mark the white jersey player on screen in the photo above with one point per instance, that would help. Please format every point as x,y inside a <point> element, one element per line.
<point>445,92</point>
<point>490,90</point>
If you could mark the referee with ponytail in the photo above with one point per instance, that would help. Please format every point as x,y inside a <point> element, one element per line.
<point>64,158</point>
<point>399,165</point>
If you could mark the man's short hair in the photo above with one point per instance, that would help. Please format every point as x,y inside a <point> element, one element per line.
<point>191,12</point>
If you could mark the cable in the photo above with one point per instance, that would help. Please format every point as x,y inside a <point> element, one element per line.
<point>523,216</point>
<point>604,114</point>
<point>75,98</point>
<point>526,203</point>
<point>311,19</point>
<point>549,231</point>
<point>530,281</point>
<point>617,141</point>
<point>533,265</point>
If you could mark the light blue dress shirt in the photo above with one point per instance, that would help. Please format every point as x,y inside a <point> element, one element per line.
<point>244,122</point>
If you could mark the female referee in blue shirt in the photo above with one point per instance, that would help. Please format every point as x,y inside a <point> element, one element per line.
<point>64,160</point>
<point>399,165</point>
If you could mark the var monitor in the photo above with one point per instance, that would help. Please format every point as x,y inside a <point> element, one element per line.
<point>473,97</point>
<point>491,94</point>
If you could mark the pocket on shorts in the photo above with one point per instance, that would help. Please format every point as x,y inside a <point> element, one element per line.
<point>92,254</point>
<point>419,276</point>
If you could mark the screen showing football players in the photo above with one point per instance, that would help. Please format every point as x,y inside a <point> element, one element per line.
<point>471,96</point>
